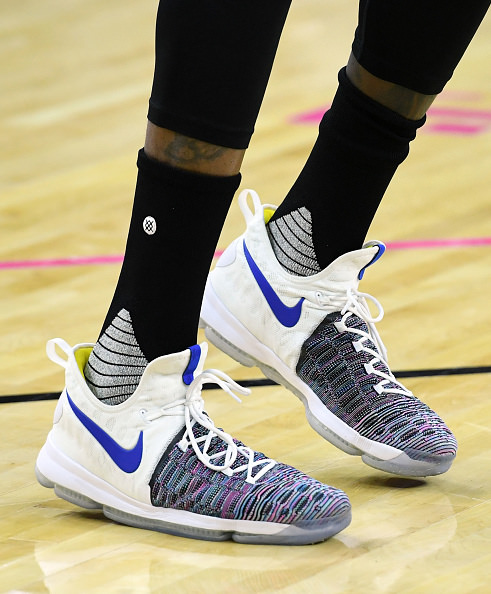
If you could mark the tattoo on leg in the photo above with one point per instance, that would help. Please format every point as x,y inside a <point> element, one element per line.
<point>183,150</point>
<point>186,152</point>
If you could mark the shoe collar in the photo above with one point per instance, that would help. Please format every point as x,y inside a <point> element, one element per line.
<point>347,270</point>
<point>164,380</point>
<point>166,377</point>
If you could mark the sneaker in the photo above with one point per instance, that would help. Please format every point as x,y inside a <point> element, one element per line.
<point>316,336</point>
<point>157,461</point>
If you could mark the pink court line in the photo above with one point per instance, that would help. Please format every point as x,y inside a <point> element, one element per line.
<point>117,259</point>
<point>482,114</point>
<point>446,120</point>
<point>57,262</point>
<point>465,130</point>
<point>438,243</point>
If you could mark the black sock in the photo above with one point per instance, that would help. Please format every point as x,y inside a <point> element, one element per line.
<point>359,147</point>
<point>175,225</point>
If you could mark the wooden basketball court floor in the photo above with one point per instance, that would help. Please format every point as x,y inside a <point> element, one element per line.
<point>75,81</point>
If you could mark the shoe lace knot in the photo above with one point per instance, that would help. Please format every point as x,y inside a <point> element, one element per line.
<point>220,460</point>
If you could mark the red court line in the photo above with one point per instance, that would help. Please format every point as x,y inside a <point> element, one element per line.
<point>117,259</point>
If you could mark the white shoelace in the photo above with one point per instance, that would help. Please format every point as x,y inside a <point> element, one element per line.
<point>194,413</point>
<point>355,303</point>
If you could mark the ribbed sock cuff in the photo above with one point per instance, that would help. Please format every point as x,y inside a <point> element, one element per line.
<point>175,176</point>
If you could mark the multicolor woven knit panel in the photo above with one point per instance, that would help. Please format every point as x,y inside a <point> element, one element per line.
<point>335,372</point>
<point>283,495</point>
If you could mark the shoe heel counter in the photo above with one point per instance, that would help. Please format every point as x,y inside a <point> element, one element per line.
<point>61,422</point>
<point>64,420</point>
<point>58,413</point>
<point>225,277</point>
<point>228,256</point>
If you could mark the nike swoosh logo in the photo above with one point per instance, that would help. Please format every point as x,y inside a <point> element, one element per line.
<point>127,460</point>
<point>287,316</point>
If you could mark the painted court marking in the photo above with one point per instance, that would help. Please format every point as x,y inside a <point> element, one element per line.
<point>461,120</point>
<point>441,120</point>
<point>57,262</point>
<point>117,259</point>
<point>261,382</point>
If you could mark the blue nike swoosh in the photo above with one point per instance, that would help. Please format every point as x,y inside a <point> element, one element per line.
<point>287,316</point>
<point>127,460</point>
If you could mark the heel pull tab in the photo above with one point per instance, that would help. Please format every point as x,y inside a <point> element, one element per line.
<point>54,356</point>
<point>244,206</point>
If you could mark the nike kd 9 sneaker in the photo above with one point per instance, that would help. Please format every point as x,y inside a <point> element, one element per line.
<point>157,461</point>
<point>316,336</point>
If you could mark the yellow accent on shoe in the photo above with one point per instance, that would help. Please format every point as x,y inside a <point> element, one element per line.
<point>82,356</point>
<point>268,213</point>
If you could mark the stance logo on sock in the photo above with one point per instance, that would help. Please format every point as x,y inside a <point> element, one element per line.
<point>149,225</point>
<point>117,363</point>
<point>291,240</point>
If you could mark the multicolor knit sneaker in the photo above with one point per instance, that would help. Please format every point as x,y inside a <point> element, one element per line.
<point>157,461</point>
<point>316,336</point>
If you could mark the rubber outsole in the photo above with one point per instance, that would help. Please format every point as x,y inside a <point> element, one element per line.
<point>186,525</point>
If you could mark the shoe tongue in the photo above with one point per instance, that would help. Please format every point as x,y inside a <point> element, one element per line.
<point>349,268</point>
<point>166,378</point>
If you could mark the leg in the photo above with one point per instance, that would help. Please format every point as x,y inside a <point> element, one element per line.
<point>298,268</point>
<point>403,55</point>
<point>140,445</point>
<point>191,154</point>
<point>202,112</point>
<point>410,104</point>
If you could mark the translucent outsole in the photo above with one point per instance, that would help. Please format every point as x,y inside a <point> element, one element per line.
<point>302,533</point>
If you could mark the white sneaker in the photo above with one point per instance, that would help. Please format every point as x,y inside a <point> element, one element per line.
<point>157,461</point>
<point>316,336</point>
